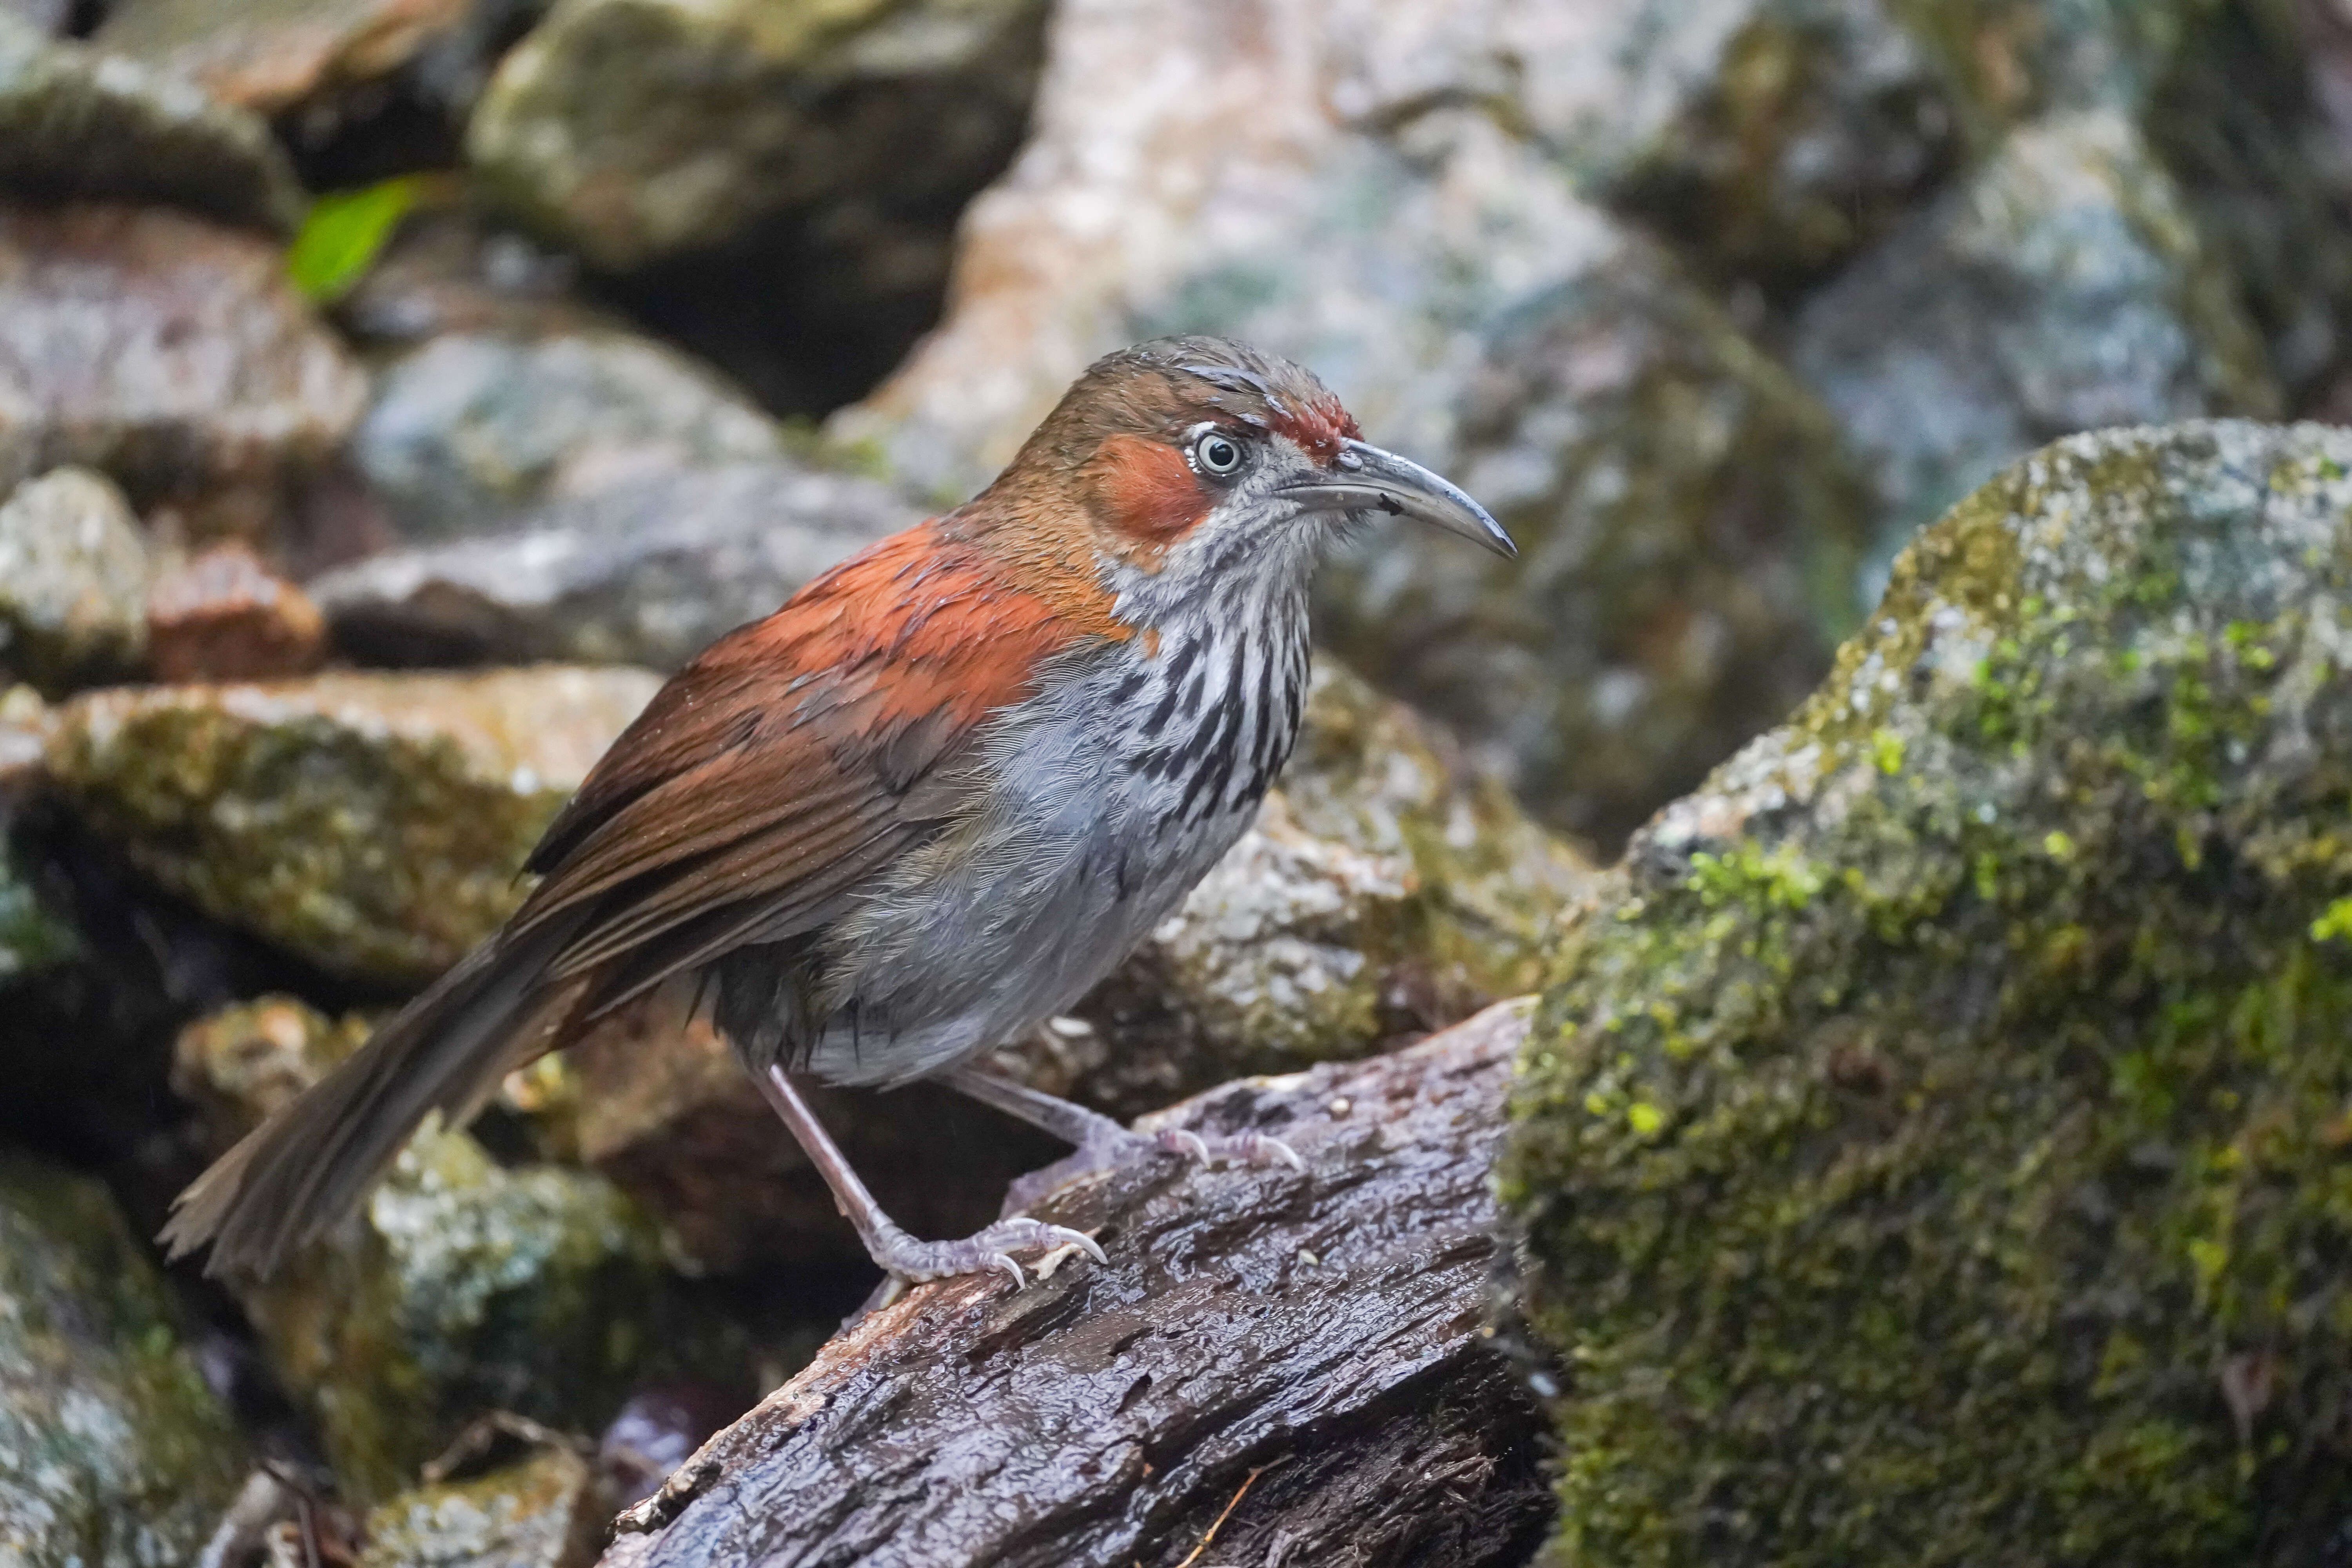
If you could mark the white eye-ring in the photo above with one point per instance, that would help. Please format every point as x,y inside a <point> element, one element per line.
<point>1217,453</point>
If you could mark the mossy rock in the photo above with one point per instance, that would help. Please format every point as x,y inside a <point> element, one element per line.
<point>463,1287</point>
<point>113,1452</point>
<point>74,575</point>
<point>543,1512</point>
<point>1933,1147</point>
<point>374,823</point>
<point>79,122</point>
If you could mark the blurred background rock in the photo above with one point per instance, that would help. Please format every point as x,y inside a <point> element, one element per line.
<point>496,354</point>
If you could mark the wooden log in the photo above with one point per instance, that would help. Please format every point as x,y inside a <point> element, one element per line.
<point>1280,1367</point>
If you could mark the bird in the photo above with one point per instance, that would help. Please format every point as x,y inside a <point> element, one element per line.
<point>921,809</point>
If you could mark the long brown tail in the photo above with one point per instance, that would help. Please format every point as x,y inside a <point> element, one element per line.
<point>309,1165</point>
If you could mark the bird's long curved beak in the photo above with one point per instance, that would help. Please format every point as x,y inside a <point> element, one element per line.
<point>1363,478</point>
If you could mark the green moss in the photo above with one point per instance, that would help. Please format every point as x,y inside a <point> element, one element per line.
<point>1997,1124</point>
<point>542,1513</point>
<point>466,1288</point>
<point>113,1453</point>
<point>375,824</point>
<point>32,937</point>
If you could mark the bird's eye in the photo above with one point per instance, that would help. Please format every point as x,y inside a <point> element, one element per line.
<point>1217,453</point>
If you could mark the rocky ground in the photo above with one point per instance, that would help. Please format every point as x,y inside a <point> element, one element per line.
<point>1930,1144</point>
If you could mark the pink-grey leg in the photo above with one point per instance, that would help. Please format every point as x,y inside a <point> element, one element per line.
<point>900,1255</point>
<point>1095,1133</point>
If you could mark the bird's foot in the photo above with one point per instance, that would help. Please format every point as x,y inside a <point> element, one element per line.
<point>1108,1146</point>
<point>1227,1149</point>
<point>904,1259</point>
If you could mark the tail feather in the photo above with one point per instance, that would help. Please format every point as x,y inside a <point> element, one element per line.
<point>304,1169</point>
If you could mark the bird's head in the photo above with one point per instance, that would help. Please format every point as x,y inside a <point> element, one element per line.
<point>1183,466</point>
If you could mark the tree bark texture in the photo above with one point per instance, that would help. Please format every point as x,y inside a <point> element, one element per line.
<point>1298,1363</point>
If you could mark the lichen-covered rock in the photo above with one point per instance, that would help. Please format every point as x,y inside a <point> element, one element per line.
<point>463,1286</point>
<point>172,356</point>
<point>648,572</point>
<point>544,1512</point>
<point>1930,1147</point>
<point>638,128</point>
<point>2007,61</point>
<point>269,55</point>
<point>1385,890</point>
<point>74,575</point>
<point>373,823</point>
<point>113,1453</point>
<point>1688,531</point>
<point>1682,506</point>
<point>241,1064</point>
<point>1770,137</point>
<point>471,427</point>
<point>80,124</point>
<point>2061,287</point>
<point>226,616</point>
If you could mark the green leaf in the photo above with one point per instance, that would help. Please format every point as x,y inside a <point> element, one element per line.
<point>346,233</point>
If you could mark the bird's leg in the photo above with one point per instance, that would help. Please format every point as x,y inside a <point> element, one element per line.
<point>900,1255</point>
<point>1108,1140</point>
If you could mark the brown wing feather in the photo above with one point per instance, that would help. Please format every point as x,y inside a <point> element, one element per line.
<point>768,778</point>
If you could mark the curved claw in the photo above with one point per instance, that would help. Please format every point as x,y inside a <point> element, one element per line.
<point>905,1258</point>
<point>1184,1142</point>
<point>1261,1149</point>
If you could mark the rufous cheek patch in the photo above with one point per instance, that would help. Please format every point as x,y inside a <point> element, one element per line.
<point>1145,492</point>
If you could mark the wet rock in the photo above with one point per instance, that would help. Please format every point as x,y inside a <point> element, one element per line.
<point>544,1512</point>
<point>169,354</point>
<point>271,56</point>
<point>1457,276</point>
<point>864,120</point>
<point>76,123</point>
<point>2061,287</point>
<point>469,428</point>
<point>1386,890</point>
<point>226,616</point>
<point>74,576</point>
<point>114,1454</point>
<point>1978,1033</point>
<point>373,823</point>
<point>648,572</point>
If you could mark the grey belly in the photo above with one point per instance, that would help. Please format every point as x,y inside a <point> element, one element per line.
<point>1014,915</point>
